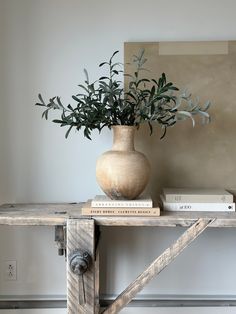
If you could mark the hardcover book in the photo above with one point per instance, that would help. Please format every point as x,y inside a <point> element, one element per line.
<point>197,195</point>
<point>88,210</point>
<point>188,206</point>
<point>105,201</point>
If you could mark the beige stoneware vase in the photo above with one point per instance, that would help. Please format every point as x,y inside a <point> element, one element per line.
<point>123,172</point>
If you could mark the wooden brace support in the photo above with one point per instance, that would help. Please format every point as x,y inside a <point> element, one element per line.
<point>158,265</point>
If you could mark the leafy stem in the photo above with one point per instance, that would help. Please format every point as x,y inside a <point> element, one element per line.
<point>106,103</point>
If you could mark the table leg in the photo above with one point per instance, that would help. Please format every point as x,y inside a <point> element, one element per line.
<point>81,235</point>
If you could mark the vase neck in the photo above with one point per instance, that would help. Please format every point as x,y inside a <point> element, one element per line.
<point>123,138</point>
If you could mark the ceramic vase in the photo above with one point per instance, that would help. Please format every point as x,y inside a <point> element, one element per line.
<point>123,172</point>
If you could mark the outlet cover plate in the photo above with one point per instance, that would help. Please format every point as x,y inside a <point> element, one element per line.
<point>9,270</point>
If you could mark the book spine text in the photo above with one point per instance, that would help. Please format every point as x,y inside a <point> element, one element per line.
<point>226,207</point>
<point>175,198</point>
<point>121,204</point>
<point>120,212</point>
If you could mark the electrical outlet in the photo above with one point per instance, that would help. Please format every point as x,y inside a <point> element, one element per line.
<point>10,270</point>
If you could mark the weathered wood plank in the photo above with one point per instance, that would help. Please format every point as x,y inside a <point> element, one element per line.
<point>57,214</point>
<point>158,265</point>
<point>80,235</point>
<point>167,219</point>
<point>48,207</point>
<point>97,283</point>
<point>38,214</point>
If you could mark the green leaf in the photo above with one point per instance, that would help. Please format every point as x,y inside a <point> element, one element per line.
<point>205,114</point>
<point>186,114</point>
<point>106,102</point>
<point>38,104</point>
<point>206,106</point>
<point>150,127</point>
<point>45,114</point>
<point>129,75</point>
<point>87,133</point>
<point>57,121</point>
<point>82,86</point>
<point>103,78</point>
<point>91,88</point>
<point>143,80</point>
<point>141,53</point>
<point>173,88</point>
<point>68,131</point>
<point>41,99</point>
<point>76,98</point>
<point>59,102</point>
<point>113,56</point>
<point>101,64</point>
<point>86,75</point>
<point>163,76</point>
<point>69,107</point>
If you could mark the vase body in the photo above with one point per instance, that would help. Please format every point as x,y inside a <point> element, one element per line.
<point>123,172</point>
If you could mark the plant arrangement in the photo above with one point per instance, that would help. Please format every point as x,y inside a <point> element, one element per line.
<point>105,102</point>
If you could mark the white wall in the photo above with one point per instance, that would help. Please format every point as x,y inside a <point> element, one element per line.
<point>44,46</point>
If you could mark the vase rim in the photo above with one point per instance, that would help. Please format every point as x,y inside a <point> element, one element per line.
<point>123,126</point>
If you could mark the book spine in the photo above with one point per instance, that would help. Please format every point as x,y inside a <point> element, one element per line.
<point>123,204</point>
<point>121,212</point>
<point>178,198</point>
<point>218,207</point>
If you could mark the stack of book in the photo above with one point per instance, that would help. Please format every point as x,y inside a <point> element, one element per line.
<point>197,200</point>
<point>102,205</point>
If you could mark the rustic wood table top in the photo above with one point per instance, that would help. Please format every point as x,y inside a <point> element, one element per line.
<point>57,214</point>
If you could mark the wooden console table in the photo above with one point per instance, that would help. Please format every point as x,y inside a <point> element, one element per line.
<point>83,293</point>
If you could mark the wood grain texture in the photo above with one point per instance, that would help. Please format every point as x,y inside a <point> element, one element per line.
<point>158,265</point>
<point>122,161</point>
<point>57,214</point>
<point>170,219</point>
<point>80,235</point>
<point>38,214</point>
<point>97,282</point>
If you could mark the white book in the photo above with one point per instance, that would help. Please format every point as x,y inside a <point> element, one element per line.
<point>105,201</point>
<point>119,211</point>
<point>178,195</point>
<point>205,207</point>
